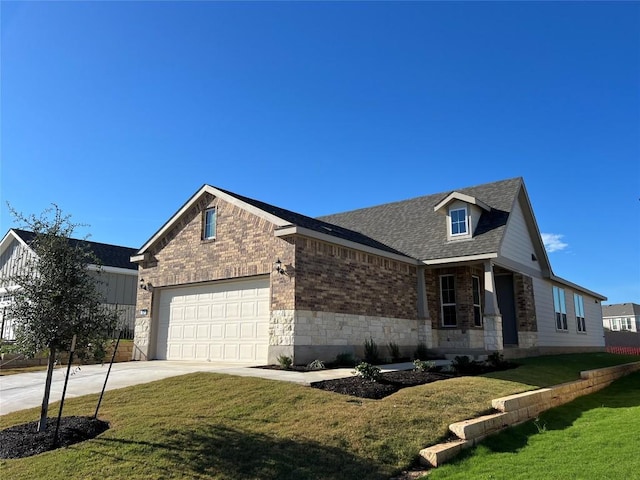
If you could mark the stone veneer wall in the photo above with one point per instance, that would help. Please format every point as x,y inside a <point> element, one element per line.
<point>245,246</point>
<point>309,335</point>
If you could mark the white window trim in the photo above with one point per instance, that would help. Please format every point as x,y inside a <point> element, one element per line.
<point>204,223</point>
<point>474,279</point>
<point>442,304</point>
<point>466,222</point>
<point>557,309</point>
<point>581,322</point>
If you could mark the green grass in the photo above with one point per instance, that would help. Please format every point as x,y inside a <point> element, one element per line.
<point>206,425</point>
<point>593,437</point>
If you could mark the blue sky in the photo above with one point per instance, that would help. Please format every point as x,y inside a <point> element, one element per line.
<point>119,111</point>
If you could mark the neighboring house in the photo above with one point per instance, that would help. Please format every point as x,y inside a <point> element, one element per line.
<point>229,278</point>
<point>118,280</point>
<point>621,323</point>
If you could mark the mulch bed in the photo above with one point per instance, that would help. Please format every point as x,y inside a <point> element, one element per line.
<point>24,440</point>
<point>388,383</point>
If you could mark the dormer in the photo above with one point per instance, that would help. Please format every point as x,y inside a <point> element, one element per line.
<point>463,214</point>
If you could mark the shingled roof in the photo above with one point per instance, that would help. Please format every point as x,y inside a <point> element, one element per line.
<point>109,255</point>
<point>414,229</point>
<point>314,224</point>
<point>621,310</point>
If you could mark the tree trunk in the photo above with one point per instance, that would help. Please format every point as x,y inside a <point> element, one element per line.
<point>42,425</point>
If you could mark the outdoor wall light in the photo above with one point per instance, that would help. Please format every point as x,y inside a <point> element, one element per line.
<point>145,285</point>
<point>279,268</point>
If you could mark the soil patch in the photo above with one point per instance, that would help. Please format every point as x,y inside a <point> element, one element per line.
<point>388,383</point>
<point>24,440</point>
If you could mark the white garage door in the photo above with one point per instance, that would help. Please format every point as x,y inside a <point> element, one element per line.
<point>217,322</point>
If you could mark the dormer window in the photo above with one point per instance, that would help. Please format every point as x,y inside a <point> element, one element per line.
<point>459,221</point>
<point>209,224</point>
<point>462,213</point>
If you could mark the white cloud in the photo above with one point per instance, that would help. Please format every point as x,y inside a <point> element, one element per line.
<point>553,242</point>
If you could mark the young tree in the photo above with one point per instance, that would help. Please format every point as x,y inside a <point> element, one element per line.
<point>58,295</point>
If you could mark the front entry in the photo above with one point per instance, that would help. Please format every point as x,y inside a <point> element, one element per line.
<point>507,306</point>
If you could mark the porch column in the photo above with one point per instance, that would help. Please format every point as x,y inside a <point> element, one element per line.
<point>424,319</point>
<point>492,317</point>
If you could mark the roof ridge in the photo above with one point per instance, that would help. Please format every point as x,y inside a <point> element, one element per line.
<point>420,197</point>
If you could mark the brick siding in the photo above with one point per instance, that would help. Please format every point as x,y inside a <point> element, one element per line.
<point>331,278</point>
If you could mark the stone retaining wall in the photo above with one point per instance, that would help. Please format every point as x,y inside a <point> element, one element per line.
<point>519,408</point>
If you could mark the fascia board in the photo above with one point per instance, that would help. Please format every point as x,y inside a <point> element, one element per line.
<point>532,224</point>
<point>462,197</point>
<point>574,286</point>
<point>295,230</point>
<point>108,269</point>
<point>6,241</point>
<point>465,259</point>
<point>217,193</point>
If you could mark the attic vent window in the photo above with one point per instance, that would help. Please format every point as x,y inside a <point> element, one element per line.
<point>209,224</point>
<point>459,223</point>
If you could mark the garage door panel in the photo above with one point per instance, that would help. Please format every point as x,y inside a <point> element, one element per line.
<point>202,332</point>
<point>247,352</point>
<point>232,310</point>
<point>248,309</point>
<point>231,331</point>
<point>217,332</point>
<point>247,330</point>
<point>225,321</point>
<point>262,330</point>
<point>202,351</point>
<point>230,351</point>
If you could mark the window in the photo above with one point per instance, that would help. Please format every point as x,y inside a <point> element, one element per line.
<point>615,324</point>
<point>560,309</point>
<point>625,324</point>
<point>477,310</point>
<point>579,304</point>
<point>458,221</point>
<point>448,297</point>
<point>209,227</point>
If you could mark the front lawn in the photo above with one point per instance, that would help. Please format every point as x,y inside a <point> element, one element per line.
<point>207,425</point>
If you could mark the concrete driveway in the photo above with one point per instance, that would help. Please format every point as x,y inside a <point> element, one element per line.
<point>25,390</point>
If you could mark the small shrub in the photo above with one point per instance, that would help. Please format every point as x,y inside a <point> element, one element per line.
<point>371,354</point>
<point>421,352</point>
<point>285,362</point>
<point>424,366</point>
<point>463,365</point>
<point>394,351</point>
<point>496,361</point>
<point>316,365</point>
<point>345,360</point>
<point>367,371</point>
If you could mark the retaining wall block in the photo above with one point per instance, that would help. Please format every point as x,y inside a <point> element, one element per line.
<point>442,453</point>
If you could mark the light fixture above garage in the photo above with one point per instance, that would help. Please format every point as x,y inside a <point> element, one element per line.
<point>282,270</point>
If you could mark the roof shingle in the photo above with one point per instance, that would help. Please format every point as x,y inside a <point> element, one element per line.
<point>109,255</point>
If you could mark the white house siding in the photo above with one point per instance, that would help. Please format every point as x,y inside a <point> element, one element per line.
<point>12,260</point>
<point>517,245</point>
<point>548,336</point>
